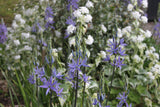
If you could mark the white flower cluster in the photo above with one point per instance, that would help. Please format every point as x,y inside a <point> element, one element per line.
<point>18,19</point>
<point>136,15</point>
<point>150,75</point>
<point>156,69</point>
<point>126,30</point>
<point>82,15</point>
<point>102,54</point>
<point>155,72</point>
<point>136,58</point>
<point>145,3</point>
<point>89,4</point>
<point>104,29</point>
<point>89,40</point>
<point>130,7</point>
<point>71,29</point>
<point>151,54</point>
<point>140,38</point>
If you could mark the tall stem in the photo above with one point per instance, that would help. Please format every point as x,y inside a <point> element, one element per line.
<point>84,86</point>
<point>51,99</point>
<point>76,90</point>
<point>114,68</point>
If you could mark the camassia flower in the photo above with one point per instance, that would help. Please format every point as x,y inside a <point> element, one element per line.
<point>52,85</point>
<point>49,18</point>
<point>56,75</point>
<point>123,100</point>
<point>76,66</point>
<point>118,63</point>
<point>31,79</point>
<point>116,49</point>
<point>3,33</point>
<point>72,4</point>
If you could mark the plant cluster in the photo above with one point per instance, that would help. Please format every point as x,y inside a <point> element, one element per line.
<point>64,53</point>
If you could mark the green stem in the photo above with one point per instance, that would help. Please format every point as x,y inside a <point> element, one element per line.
<point>114,68</point>
<point>76,90</point>
<point>84,86</point>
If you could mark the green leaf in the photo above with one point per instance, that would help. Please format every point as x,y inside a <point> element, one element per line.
<point>97,60</point>
<point>1,105</point>
<point>115,91</point>
<point>134,97</point>
<point>143,91</point>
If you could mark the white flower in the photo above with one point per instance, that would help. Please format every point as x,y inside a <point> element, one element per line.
<point>58,34</point>
<point>17,57</point>
<point>151,76</point>
<point>71,29</point>
<point>54,1</point>
<point>136,14</point>
<point>70,56</point>
<point>156,55</point>
<point>130,7</point>
<point>25,35</point>
<point>148,52</point>
<point>89,40</point>
<point>128,28</point>
<point>119,33</point>
<point>145,3</point>
<point>102,54</point>
<point>50,19</point>
<point>27,48</point>
<point>148,34</point>
<point>18,17</point>
<point>28,28</point>
<point>134,38</point>
<point>140,38</point>
<point>14,24</point>
<point>77,13</point>
<point>144,19</point>
<point>72,41</point>
<point>84,10</point>
<point>152,49</point>
<point>136,58</point>
<point>89,4</point>
<point>142,46</point>
<point>28,12</point>
<point>104,29</point>
<point>54,52</point>
<point>22,21</point>
<point>16,42</point>
<point>36,7</point>
<point>88,18</point>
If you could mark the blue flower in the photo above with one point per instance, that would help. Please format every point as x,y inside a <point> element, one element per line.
<point>123,100</point>
<point>85,78</point>
<point>50,85</point>
<point>31,79</point>
<point>56,75</point>
<point>76,66</point>
<point>39,72</point>
<point>118,63</point>
<point>3,33</point>
<point>113,47</point>
<point>95,102</point>
<point>36,27</point>
<point>72,4</point>
<point>49,18</point>
<point>70,21</point>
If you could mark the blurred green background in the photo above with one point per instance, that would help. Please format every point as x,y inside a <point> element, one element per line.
<point>7,9</point>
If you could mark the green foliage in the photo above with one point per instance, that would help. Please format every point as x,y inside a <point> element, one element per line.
<point>7,10</point>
